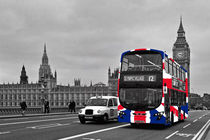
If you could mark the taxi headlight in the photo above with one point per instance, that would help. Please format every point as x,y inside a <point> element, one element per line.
<point>80,111</point>
<point>99,111</point>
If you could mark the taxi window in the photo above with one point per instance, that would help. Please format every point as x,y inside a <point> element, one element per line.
<point>115,101</point>
<point>110,102</point>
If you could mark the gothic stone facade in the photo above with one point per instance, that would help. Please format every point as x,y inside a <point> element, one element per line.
<point>47,89</point>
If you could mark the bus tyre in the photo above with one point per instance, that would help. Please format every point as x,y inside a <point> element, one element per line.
<point>183,116</point>
<point>82,121</point>
<point>105,118</point>
<point>133,124</point>
<point>172,118</point>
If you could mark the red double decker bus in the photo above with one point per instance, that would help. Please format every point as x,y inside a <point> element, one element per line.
<point>152,88</point>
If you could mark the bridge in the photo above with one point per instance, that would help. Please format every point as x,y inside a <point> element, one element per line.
<point>31,110</point>
<point>66,126</point>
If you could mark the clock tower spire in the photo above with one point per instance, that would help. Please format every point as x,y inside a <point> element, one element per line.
<point>181,51</point>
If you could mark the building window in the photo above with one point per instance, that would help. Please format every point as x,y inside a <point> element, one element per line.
<point>19,97</point>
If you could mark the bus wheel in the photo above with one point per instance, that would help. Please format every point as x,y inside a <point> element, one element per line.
<point>183,116</point>
<point>133,124</point>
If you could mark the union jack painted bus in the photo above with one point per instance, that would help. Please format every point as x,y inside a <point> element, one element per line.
<point>152,88</point>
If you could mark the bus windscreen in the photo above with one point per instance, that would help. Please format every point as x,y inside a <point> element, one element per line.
<point>142,62</point>
<point>140,98</point>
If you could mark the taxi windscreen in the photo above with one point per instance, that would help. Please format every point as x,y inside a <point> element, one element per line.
<point>97,102</point>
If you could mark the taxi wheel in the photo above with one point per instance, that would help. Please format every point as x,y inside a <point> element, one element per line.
<point>82,121</point>
<point>105,118</point>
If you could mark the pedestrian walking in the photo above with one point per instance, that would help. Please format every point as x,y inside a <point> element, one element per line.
<point>23,107</point>
<point>73,106</point>
<point>46,106</point>
<point>69,106</point>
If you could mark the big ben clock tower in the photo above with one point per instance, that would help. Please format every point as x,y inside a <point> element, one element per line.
<point>181,51</point>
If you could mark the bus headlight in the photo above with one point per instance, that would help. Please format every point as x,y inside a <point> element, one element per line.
<point>121,114</point>
<point>159,115</point>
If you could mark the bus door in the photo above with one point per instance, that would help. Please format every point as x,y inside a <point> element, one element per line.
<point>167,103</point>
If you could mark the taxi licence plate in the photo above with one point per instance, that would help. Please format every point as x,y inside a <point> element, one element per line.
<point>88,117</point>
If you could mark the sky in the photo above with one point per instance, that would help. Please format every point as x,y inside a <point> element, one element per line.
<point>86,37</point>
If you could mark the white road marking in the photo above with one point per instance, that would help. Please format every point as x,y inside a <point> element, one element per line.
<point>93,132</point>
<point>200,117</point>
<point>90,139</point>
<point>15,119</point>
<point>37,121</point>
<point>76,121</point>
<point>187,125</point>
<point>47,126</point>
<point>202,131</point>
<point>185,135</point>
<point>171,135</point>
<point>195,120</point>
<point>1,133</point>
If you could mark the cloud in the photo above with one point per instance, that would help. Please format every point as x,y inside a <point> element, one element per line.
<point>84,38</point>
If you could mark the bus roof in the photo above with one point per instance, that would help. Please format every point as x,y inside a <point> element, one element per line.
<point>163,54</point>
<point>143,49</point>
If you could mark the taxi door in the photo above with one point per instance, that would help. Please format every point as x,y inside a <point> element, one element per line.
<point>111,109</point>
<point>115,102</point>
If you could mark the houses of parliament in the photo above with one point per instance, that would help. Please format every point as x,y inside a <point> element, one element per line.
<point>47,89</point>
<point>59,95</point>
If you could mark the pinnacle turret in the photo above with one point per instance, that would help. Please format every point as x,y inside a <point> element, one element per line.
<point>23,76</point>
<point>44,57</point>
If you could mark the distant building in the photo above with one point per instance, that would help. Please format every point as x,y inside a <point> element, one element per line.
<point>46,88</point>
<point>206,100</point>
<point>206,97</point>
<point>195,101</point>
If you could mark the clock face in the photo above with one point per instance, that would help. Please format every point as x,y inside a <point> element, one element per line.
<point>180,55</point>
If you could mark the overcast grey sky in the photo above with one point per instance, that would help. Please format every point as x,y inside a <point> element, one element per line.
<point>85,37</point>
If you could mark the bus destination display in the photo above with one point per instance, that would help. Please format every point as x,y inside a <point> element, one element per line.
<point>147,78</point>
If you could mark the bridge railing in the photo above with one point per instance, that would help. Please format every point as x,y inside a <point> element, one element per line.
<point>32,110</point>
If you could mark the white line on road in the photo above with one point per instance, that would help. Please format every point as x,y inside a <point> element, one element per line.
<point>15,119</point>
<point>187,125</point>
<point>76,121</point>
<point>93,132</point>
<point>1,133</point>
<point>200,117</point>
<point>47,126</point>
<point>195,120</point>
<point>171,135</point>
<point>37,121</point>
<point>202,131</point>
